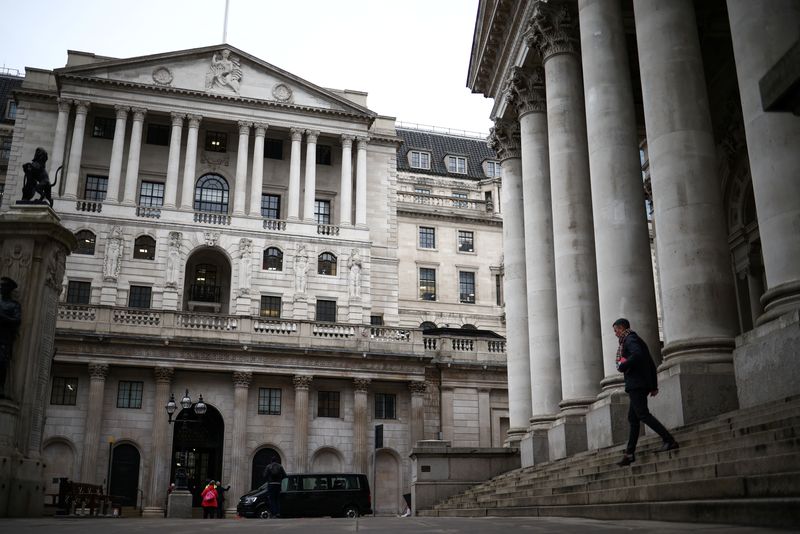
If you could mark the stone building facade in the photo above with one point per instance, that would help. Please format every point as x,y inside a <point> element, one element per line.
<point>250,237</point>
<point>586,92</point>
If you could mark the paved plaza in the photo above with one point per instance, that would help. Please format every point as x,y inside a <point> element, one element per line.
<point>384,525</point>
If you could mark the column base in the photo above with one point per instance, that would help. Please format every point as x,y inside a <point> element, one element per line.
<point>779,301</point>
<point>514,436</point>
<point>567,436</point>
<point>607,420</point>
<point>765,361</point>
<point>534,447</point>
<point>153,512</point>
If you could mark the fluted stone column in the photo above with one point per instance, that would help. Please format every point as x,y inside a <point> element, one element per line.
<point>301,386</point>
<point>761,33</point>
<point>156,496</point>
<point>527,95</point>
<point>117,147</point>
<point>624,271</point>
<point>190,162</point>
<point>417,423</point>
<point>94,421</point>
<point>135,148</point>
<point>696,283</point>
<point>56,158</point>
<point>240,481</point>
<point>241,168</point>
<point>310,184</point>
<point>360,418</point>
<point>346,182</point>
<point>257,178</point>
<point>76,150</point>
<point>293,211</point>
<point>361,182</point>
<point>173,161</point>
<point>505,140</point>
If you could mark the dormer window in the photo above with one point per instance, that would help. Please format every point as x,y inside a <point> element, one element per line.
<point>419,160</point>
<point>457,164</point>
<point>492,169</point>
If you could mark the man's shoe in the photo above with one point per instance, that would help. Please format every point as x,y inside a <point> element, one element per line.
<point>668,446</point>
<point>627,459</point>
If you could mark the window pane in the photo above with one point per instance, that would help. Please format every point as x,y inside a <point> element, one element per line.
<point>270,306</point>
<point>96,187</point>
<point>326,264</point>
<point>427,237</point>
<point>466,287</point>
<point>86,241</point>
<point>139,297</point>
<point>273,149</point>
<point>269,401</point>
<point>151,194</point>
<point>273,259</point>
<point>385,406</point>
<point>144,248</point>
<point>211,194</point>
<point>216,141</point>
<point>466,242</point>
<point>326,310</point>
<point>322,211</point>
<point>64,391</point>
<point>376,320</point>
<point>271,206</point>
<point>323,155</point>
<point>103,127</point>
<point>427,283</point>
<point>328,404</point>
<point>158,134</point>
<point>129,394</point>
<point>79,292</point>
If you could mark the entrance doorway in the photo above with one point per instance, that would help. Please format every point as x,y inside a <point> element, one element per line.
<point>125,474</point>
<point>260,461</point>
<point>197,447</point>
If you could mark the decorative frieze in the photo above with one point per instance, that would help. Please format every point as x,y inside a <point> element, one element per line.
<point>505,139</point>
<point>525,91</point>
<point>551,30</point>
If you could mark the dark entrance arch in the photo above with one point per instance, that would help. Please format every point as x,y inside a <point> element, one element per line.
<point>125,474</point>
<point>197,446</point>
<point>260,461</point>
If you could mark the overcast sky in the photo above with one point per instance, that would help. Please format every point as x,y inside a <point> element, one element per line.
<point>411,56</point>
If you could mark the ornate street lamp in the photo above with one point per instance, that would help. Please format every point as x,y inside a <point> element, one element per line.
<point>171,407</point>
<point>186,402</point>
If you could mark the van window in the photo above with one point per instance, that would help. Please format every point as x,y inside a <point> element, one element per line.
<point>290,484</point>
<point>344,482</point>
<point>315,483</point>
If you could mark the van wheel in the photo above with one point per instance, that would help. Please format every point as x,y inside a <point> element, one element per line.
<point>263,513</point>
<point>351,511</point>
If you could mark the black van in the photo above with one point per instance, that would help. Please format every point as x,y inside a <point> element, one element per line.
<point>313,495</point>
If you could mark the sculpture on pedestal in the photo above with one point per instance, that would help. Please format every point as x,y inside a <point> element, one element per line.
<point>111,265</point>
<point>173,259</point>
<point>354,264</point>
<point>37,180</point>
<point>245,265</point>
<point>10,318</point>
<point>300,270</point>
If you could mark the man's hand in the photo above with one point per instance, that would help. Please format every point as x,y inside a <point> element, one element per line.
<point>654,393</point>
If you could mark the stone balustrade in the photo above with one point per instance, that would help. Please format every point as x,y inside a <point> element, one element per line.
<point>148,212</point>
<point>441,201</point>
<point>212,218</point>
<point>465,348</point>
<point>275,224</point>
<point>89,205</point>
<point>327,229</point>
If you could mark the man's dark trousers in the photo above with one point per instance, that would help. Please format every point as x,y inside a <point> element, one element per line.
<point>638,412</point>
<point>274,490</point>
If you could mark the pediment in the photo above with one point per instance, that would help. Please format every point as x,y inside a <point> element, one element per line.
<point>219,71</point>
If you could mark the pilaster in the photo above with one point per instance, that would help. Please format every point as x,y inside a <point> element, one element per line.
<point>302,383</point>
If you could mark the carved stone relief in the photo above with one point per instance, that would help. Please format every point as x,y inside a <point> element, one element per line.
<point>225,72</point>
<point>113,258</point>
<point>174,259</point>
<point>162,76</point>
<point>282,93</point>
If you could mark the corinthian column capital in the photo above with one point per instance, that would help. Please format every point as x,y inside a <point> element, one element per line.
<point>122,111</point>
<point>138,114</point>
<point>504,139</point>
<point>361,384</point>
<point>244,127</point>
<point>347,141</point>
<point>525,91</point>
<point>98,371</point>
<point>242,378</point>
<point>551,30</point>
<point>164,374</point>
<point>297,134</point>
<point>194,120</point>
<point>311,136</point>
<point>177,119</point>
<point>64,104</point>
<point>261,128</point>
<point>81,106</point>
<point>302,382</point>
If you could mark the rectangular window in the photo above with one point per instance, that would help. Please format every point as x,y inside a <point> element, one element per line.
<point>328,404</point>
<point>216,141</point>
<point>65,391</point>
<point>466,241</point>
<point>270,206</point>
<point>323,155</point>
<point>457,164</point>
<point>273,148</point>
<point>385,406</point>
<point>158,134</point>
<point>460,195</point>
<point>466,287</point>
<point>420,160</point>
<point>96,187</point>
<point>493,169</point>
<point>422,190</point>
<point>427,237</point>
<point>11,113</point>
<point>2,191</point>
<point>269,401</point>
<point>498,288</point>
<point>5,148</point>
<point>322,211</point>
<point>139,297</point>
<point>79,292</point>
<point>427,283</point>
<point>129,394</point>
<point>326,310</point>
<point>270,306</point>
<point>376,320</point>
<point>151,194</point>
<point>103,128</point>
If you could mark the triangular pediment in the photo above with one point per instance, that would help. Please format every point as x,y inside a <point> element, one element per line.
<point>219,71</point>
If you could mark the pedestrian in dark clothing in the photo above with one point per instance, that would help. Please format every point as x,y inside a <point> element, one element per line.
<point>274,474</point>
<point>641,379</point>
<point>221,499</point>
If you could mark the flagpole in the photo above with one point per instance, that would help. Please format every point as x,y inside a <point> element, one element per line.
<point>225,26</point>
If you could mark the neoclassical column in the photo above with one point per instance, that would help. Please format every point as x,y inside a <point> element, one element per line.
<point>241,168</point>
<point>310,185</point>
<point>160,451</point>
<point>417,423</point>
<point>76,150</point>
<point>117,147</point>
<point>550,31</point>
<point>293,210</point>
<point>173,161</point>
<point>346,183</point>
<point>527,95</point>
<point>360,418</point>
<point>190,162</point>
<point>257,178</point>
<point>505,140</point>
<point>60,139</point>
<point>239,458</point>
<point>620,222</point>
<point>361,182</point>
<point>695,278</point>
<point>761,33</point>
<point>132,170</point>
<point>94,421</point>
<point>301,387</point>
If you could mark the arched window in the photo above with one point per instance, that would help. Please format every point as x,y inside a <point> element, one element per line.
<point>326,264</point>
<point>273,259</point>
<point>211,194</point>
<point>144,248</point>
<point>427,325</point>
<point>86,241</point>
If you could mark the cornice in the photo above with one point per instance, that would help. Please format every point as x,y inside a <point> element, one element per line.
<point>440,216</point>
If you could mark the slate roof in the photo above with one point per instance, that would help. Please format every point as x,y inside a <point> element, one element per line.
<point>7,85</point>
<point>441,145</point>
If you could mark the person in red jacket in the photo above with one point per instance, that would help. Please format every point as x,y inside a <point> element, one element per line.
<point>208,499</point>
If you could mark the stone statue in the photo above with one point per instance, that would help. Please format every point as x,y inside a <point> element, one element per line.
<point>354,264</point>
<point>300,270</point>
<point>225,71</point>
<point>10,318</point>
<point>111,265</point>
<point>173,259</point>
<point>245,265</point>
<point>37,180</point>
